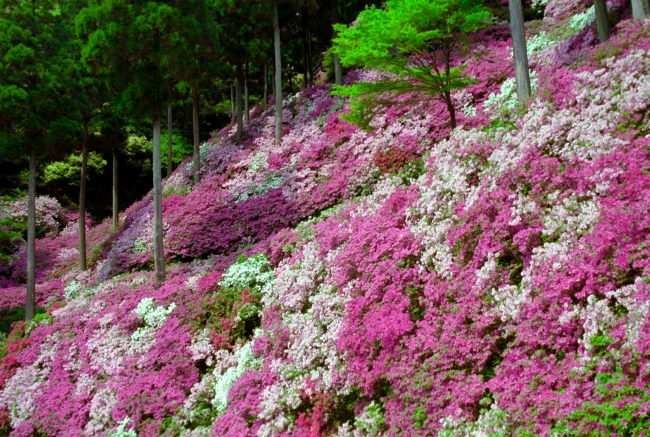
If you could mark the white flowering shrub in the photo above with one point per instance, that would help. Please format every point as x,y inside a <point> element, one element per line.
<point>245,360</point>
<point>507,100</point>
<point>71,291</point>
<point>153,317</point>
<point>254,273</point>
<point>121,430</point>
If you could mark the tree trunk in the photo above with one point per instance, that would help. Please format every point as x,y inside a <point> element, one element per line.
<point>602,22</point>
<point>639,9</point>
<point>232,103</point>
<point>158,254</point>
<point>266,84</point>
<point>451,109</point>
<point>518,31</point>
<point>170,161</point>
<point>238,101</point>
<point>195,128</point>
<point>305,49</point>
<point>30,303</point>
<point>115,193</point>
<point>338,71</point>
<point>278,74</point>
<point>246,111</point>
<point>82,200</point>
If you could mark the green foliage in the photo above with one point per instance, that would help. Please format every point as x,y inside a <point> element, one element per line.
<point>411,41</point>
<point>69,171</point>
<point>619,411</point>
<point>10,232</point>
<point>36,107</point>
<point>10,315</point>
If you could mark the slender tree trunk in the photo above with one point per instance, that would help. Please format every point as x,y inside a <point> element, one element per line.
<point>639,9</point>
<point>115,193</point>
<point>602,22</point>
<point>518,31</point>
<point>305,49</point>
<point>338,71</point>
<point>246,111</point>
<point>451,109</point>
<point>158,253</point>
<point>82,200</point>
<point>232,102</point>
<point>310,66</point>
<point>30,304</point>
<point>278,74</point>
<point>266,84</point>
<point>170,162</point>
<point>238,101</point>
<point>195,128</point>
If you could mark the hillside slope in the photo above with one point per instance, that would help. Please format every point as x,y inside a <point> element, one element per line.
<point>410,280</point>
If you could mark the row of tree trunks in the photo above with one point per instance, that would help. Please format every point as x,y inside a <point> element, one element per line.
<point>246,111</point>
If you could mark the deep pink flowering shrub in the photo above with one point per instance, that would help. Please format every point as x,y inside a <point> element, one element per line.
<point>408,280</point>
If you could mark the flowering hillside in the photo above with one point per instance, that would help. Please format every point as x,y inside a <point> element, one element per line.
<point>409,280</point>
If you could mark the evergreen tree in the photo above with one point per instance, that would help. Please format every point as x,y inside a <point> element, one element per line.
<point>136,45</point>
<point>38,116</point>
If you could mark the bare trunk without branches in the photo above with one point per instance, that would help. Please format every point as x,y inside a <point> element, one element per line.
<point>170,162</point>
<point>195,128</point>
<point>278,74</point>
<point>115,193</point>
<point>518,30</point>
<point>602,22</point>
<point>246,101</point>
<point>82,200</point>
<point>30,302</point>
<point>158,252</point>
<point>639,9</point>
<point>238,101</point>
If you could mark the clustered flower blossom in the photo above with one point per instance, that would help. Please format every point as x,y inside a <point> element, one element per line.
<point>411,280</point>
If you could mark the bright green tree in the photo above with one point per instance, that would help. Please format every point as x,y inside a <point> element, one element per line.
<point>413,42</point>
<point>38,116</point>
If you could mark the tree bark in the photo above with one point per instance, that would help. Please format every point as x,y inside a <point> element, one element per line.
<point>82,200</point>
<point>305,49</point>
<point>158,254</point>
<point>266,84</point>
<point>602,22</point>
<point>115,193</point>
<point>195,129</point>
<point>518,31</point>
<point>451,109</point>
<point>246,111</point>
<point>238,101</point>
<point>30,303</point>
<point>278,74</point>
<point>232,102</point>
<point>639,9</point>
<point>170,162</point>
<point>338,70</point>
